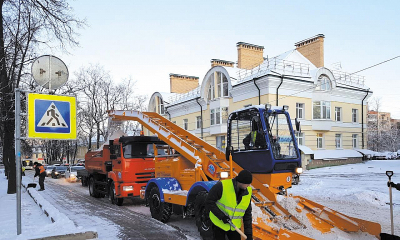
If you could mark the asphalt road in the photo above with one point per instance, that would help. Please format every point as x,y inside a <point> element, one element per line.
<point>130,221</point>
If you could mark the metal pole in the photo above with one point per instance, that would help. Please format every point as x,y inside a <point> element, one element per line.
<point>390,174</point>
<point>18,155</point>
<point>391,210</point>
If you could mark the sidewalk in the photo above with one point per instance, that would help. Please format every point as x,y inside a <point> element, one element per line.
<point>39,219</point>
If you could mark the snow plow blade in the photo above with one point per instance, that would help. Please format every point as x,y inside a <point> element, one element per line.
<point>324,219</point>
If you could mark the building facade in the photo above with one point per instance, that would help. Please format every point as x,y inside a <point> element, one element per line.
<point>330,105</point>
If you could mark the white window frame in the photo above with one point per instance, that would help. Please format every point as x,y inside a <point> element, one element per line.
<point>220,141</point>
<point>300,110</point>
<point>300,138</point>
<point>198,122</point>
<point>354,140</point>
<point>324,83</point>
<point>211,90</point>
<point>338,140</point>
<point>185,124</point>
<point>354,115</point>
<point>338,118</point>
<point>212,117</point>
<point>320,141</point>
<point>218,116</point>
<point>325,109</point>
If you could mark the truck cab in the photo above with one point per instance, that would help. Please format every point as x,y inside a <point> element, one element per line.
<point>261,140</point>
<point>121,168</point>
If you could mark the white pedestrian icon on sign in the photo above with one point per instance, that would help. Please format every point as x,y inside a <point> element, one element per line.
<point>52,118</point>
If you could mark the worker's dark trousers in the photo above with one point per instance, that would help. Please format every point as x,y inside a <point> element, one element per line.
<point>41,182</point>
<point>220,234</point>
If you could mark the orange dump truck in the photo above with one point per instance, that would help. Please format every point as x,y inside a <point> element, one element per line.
<point>120,169</point>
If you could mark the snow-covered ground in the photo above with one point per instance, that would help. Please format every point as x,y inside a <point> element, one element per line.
<point>357,190</point>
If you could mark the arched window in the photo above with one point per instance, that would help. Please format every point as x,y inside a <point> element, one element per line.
<point>220,84</point>
<point>323,84</point>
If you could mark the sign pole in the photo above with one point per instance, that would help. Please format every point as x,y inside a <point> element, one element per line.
<point>18,155</point>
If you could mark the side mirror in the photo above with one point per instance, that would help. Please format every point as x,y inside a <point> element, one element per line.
<point>298,129</point>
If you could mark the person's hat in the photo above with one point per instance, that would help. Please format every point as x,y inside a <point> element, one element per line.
<point>244,177</point>
<point>35,163</point>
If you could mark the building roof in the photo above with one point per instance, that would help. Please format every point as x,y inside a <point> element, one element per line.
<point>305,149</point>
<point>336,154</point>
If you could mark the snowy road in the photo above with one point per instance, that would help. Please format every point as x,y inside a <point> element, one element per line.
<point>131,221</point>
<point>357,190</point>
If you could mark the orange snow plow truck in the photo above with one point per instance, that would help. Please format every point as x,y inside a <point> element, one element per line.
<point>183,180</point>
<point>121,168</point>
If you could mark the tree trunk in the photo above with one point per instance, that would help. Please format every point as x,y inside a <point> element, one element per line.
<point>7,113</point>
<point>98,135</point>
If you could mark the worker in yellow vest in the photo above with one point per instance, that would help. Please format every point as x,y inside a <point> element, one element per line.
<point>229,202</point>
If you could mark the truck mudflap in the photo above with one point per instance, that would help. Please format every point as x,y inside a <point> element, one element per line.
<point>164,185</point>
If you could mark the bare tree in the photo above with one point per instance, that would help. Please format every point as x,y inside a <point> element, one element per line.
<point>26,25</point>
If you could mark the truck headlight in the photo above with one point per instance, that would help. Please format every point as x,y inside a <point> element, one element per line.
<point>299,170</point>
<point>224,174</point>
<point>127,188</point>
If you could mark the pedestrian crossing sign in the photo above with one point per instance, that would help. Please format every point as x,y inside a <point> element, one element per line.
<point>51,116</point>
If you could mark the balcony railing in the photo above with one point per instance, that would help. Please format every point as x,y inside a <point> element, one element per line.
<point>274,64</point>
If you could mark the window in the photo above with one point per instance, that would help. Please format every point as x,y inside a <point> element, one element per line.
<point>198,122</point>
<point>217,116</point>
<point>221,85</point>
<point>220,142</point>
<point>300,110</point>
<point>355,140</point>
<point>211,92</point>
<point>338,114</point>
<point>338,140</point>
<point>225,115</point>
<point>185,124</point>
<point>320,140</point>
<point>321,110</point>
<point>323,84</point>
<point>354,115</point>
<point>300,138</point>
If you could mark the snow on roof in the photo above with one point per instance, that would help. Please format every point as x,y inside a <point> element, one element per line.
<point>336,154</point>
<point>366,152</point>
<point>305,149</point>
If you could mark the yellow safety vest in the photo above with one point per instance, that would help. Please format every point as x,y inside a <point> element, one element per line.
<point>253,137</point>
<point>228,205</point>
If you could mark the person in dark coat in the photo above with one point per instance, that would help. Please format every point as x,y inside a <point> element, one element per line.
<point>41,172</point>
<point>219,206</point>
<point>394,185</point>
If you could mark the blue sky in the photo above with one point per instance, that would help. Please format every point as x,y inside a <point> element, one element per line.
<point>148,40</point>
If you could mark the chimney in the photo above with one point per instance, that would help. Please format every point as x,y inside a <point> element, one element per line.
<point>217,62</point>
<point>313,49</point>
<point>182,83</point>
<point>249,55</point>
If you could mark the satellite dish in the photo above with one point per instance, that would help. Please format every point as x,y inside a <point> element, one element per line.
<point>49,72</point>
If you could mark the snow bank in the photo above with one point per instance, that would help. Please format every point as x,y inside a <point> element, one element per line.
<point>336,154</point>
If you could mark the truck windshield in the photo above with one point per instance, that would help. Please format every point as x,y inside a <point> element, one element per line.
<point>138,149</point>
<point>282,143</point>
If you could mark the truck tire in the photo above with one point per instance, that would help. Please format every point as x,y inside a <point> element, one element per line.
<point>203,222</point>
<point>111,196</point>
<point>159,210</point>
<point>92,189</point>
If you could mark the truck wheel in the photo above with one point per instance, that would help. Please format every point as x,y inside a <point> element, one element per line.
<point>84,181</point>
<point>92,190</point>
<point>111,196</point>
<point>203,222</point>
<point>159,210</point>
